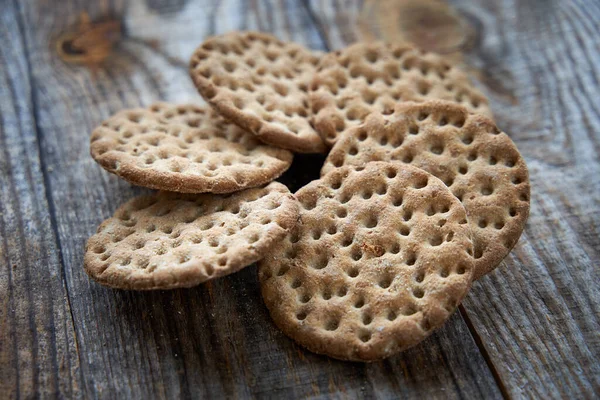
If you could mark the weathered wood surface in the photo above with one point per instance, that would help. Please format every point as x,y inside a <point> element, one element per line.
<point>38,354</point>
<point>531,329</point>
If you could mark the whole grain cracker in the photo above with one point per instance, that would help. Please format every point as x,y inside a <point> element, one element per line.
<point>170,240</point>
<point>382,256</point>
<point>261,84</point>
<point>480,164</point>
<point>184,148</point>
<point>374,76</point>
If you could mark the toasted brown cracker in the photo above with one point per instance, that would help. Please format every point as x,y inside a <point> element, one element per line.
<point>170,240</point>
<point>480,164</point>
<point>261,84</point>
<point>381,258</point>
<point>374,76</point>
<point>184,148</point>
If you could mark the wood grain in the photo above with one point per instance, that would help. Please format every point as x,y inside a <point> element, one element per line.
<point>215,340</point>
<point>537,317</point>
<point>38,353</point>
<point>529,330</point>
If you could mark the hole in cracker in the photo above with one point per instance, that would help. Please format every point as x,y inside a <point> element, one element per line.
<point>517,180</point>
<point>338,161</point>
<point>436,240</point>
<point>332,324</point>
<point>296,283</point>
<point>371,222</point>
<point>404,231</point>
<point>409,310</point>
<point>362,135</point>
<point>385,282</point>
<point>420,182</point>
<point>304,298</point>
<point>487,190</point>
<point>301,316</point>
<point>437,149</point>
<point>281,89</point>
<point>359,303</point>
<point>364,336</point>
<point>283,270</point>
<point>420,277</point>
<point>356,254</point>
<point>353,272</point>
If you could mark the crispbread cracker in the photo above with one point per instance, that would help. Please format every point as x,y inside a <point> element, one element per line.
<point>374,76</point>
<point>184,148</point>
<point>261,84</point>
<point>381,257</point>
<point>170,240</point>
<point>480,164</point>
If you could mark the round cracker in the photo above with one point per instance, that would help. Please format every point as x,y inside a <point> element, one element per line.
<point>480,164</point>
<point>185,148</point>
<point>261,84</point>
<point>171,240</point>
<point>382,256</point>
<point>374,76</point>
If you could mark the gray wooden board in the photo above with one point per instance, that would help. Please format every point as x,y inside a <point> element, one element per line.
<point>38,354</point>
<point>528,330</point>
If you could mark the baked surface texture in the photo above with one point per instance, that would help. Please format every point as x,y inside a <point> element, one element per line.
<point>170,240</point>
<point>374,76</point>
<point>381,257</point>
<point>479,163</point>
<point>261,84</point>
<point>184,148</point>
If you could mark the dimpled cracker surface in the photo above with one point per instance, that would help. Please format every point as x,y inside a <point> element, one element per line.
<point>184,148</point>
<point>480,164</point>
<point>374,76</point>
<point>170,240</point>
<point>381,258</point>
<point>261,84</point>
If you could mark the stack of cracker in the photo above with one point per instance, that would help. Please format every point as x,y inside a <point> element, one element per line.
<point>420,194</point>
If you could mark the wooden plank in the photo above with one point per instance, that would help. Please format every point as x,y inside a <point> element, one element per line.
<point>215,340</point>
<point>537,318</point>
<point>38,351</point>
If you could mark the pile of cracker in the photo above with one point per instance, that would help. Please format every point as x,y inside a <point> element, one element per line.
<point>420,193</point>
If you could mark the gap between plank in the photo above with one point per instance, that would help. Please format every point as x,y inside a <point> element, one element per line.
<point>317,25</point>
<point>51,208</point>
<point>484,353</point>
